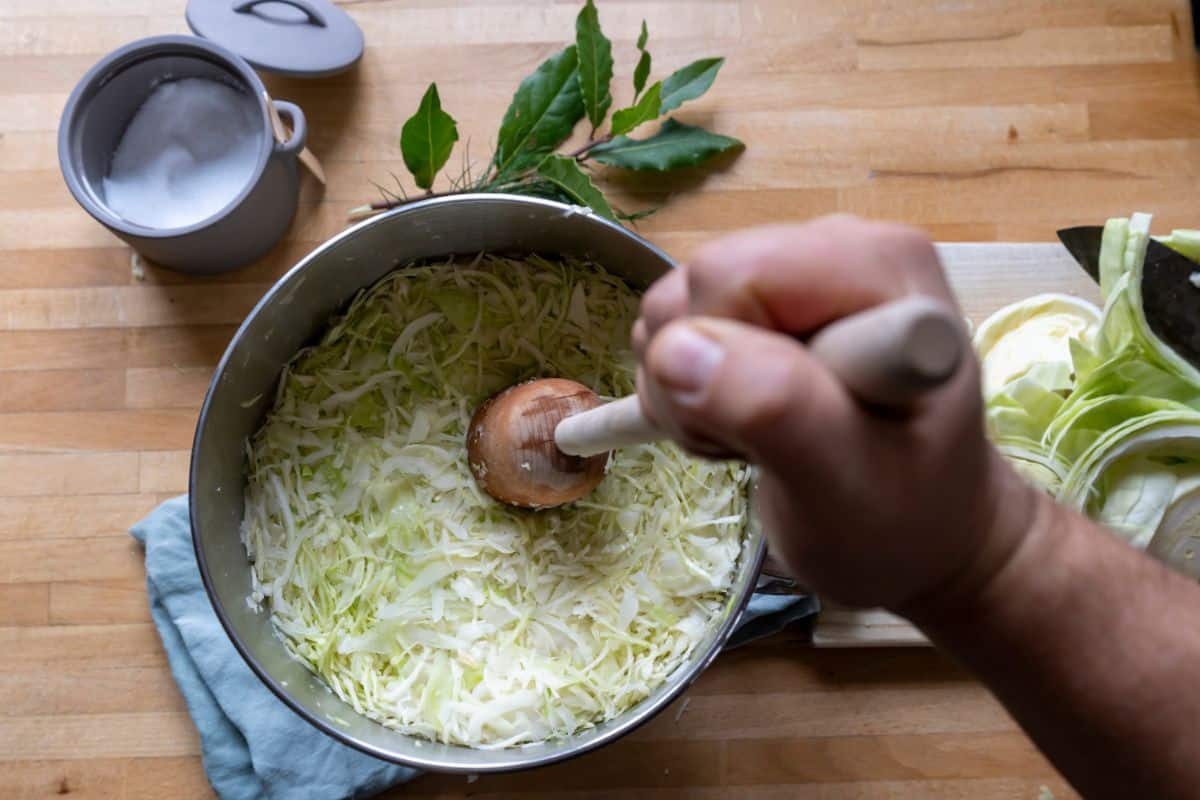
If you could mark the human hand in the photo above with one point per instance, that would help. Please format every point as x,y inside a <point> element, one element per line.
<point>863,506</point>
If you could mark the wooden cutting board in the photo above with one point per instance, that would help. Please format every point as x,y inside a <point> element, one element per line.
<point>985,277</point>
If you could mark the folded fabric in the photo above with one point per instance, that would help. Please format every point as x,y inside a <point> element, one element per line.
<point>248,738</point>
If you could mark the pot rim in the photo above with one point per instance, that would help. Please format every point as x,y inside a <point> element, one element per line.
<point>627,721</point>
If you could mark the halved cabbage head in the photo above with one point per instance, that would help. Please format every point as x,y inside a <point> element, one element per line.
<point>1026,352</point>
<point>1032,338</point>
<point>1097,410</point>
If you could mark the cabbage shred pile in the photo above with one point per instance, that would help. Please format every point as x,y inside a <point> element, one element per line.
<point>421,601</point>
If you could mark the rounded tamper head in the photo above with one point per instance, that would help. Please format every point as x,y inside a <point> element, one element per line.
<point>511,449</point>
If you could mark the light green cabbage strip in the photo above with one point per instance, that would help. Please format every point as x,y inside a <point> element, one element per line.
<point>1131,487</point>
<point>1107,419</point>
<point>422,602</point>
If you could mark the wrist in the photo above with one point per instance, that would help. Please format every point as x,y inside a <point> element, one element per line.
<point>1016,522</point>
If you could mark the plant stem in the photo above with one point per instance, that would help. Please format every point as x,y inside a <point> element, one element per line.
<point>582,152</point>
<point>371,209</point>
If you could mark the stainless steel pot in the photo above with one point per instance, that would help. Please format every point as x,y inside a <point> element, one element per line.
<point>292,314</point>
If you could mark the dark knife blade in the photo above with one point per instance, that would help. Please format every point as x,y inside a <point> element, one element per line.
<point>1083,243</point>
<point>1170,294</point>
<point>1171,299</point>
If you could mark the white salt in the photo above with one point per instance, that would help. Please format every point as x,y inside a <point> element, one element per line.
<point>189,150</point>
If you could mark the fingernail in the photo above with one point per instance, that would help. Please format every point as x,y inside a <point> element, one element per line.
<point>687,360</point>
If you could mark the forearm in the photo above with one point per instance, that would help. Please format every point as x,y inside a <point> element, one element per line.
<point>1095,649</point>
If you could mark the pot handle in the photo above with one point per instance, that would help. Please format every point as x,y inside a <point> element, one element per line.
<point>314,16</point>
<point>295,117</point>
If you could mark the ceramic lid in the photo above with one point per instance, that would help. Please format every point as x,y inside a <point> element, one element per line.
<point>302,38</point>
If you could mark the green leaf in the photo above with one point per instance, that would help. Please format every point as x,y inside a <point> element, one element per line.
<point>427,138</point>
<point>642,71</point>
<point>644,110</point>
<point>595,64</point>
<point>542,114</point>
<point>565,173</point>
<point>690,82</point>
<point>675,145</point>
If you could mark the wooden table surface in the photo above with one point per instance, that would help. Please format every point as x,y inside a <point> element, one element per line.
<point>980,120</point>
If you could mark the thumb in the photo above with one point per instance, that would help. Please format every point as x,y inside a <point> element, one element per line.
<point>723,386</point>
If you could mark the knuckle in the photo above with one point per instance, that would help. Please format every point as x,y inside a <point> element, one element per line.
<point>725,288</point>
<point>662,301</point>
<point>706,272</point>
<point>842,219</point>
<point>909,249</point>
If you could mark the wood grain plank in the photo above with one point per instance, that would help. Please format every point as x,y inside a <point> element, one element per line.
<point>74,515</point>
<point>715,211</point>
<point>74,691</point>
<point>1150,118</point>
<point>61,390</point>
<point>196,346</point>
<point>937,48</point>
<point>98,430</point>
<point>166,387</point>
<point>127,307</point>
<point>108,348</point>
<point>42,188</point>
<point>29,112</point>
<point>165,471</point>
<point>16,9</point>
<point>29,474</point>
<point>1095,197</point>
<point>65,268</point>
<point>35,150</point>
<point>680,245</point>
<point>83,646</point>
<point>24,604</point>
<point>112,266</point>
<point>97,601</point>
<point>70,737</point>
<point>622,764</point>
<point>156,778</point>
<point>69,34</point>
<point>767,18</point>
<point>61,226</point>
<point>96,779</point>
<point>402,24</point>
<point>102,558</point>
<point>897,757</point>
<point>732,717</point>
<point>31,350</point>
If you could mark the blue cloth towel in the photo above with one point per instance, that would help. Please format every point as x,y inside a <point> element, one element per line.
<point>248,738</point>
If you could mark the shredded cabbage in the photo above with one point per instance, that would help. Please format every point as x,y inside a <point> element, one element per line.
<point>422,602</point>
